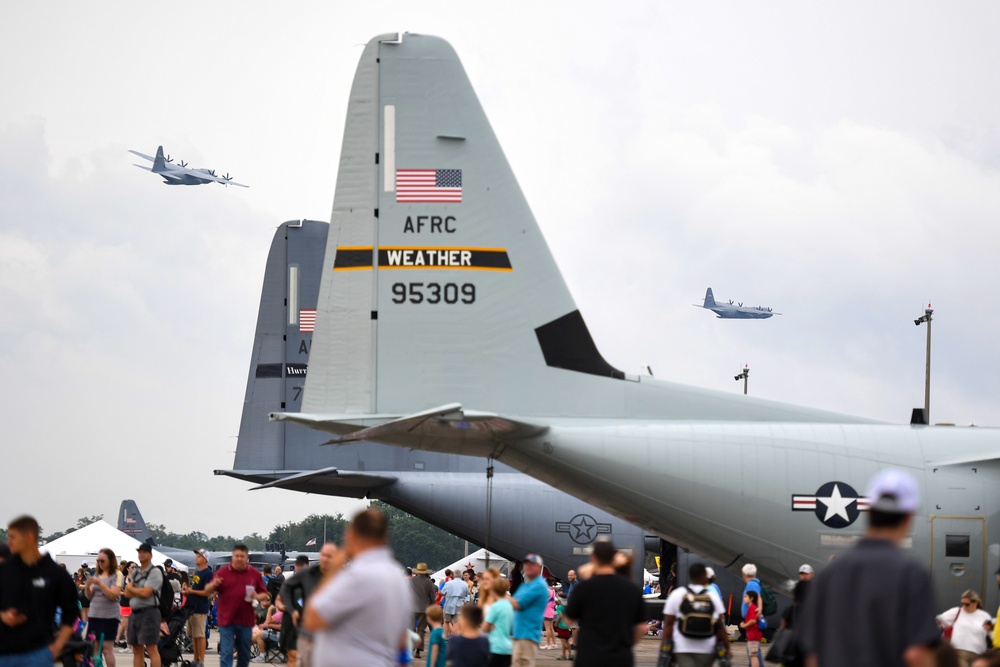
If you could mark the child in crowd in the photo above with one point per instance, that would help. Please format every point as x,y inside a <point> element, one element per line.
<point>499,623</point>
<point>468,647</point>
<point>752,628</point>
<point>562,630</point>
<point>437,647</point>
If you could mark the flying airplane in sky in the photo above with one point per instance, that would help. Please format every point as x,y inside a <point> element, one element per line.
<point>449,491</point>
<point>180,174</point>
<point>443,324</point>
<point>735,311</point>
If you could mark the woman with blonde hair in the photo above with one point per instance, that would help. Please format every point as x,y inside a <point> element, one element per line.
<point>103,589</point>
<point>486,595</point>
<point>966,626</point>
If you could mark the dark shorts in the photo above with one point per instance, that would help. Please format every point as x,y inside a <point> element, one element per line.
<point>106,626</point>
<point>497,660</point>
<point>144,627</point>
<point>289,634</point>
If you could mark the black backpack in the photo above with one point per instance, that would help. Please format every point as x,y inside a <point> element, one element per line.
<point>697,614</point>
<point>165,596</point>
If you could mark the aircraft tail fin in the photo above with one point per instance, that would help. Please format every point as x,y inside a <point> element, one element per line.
<point>159,163</point>
<point>280,355</point>
<point>438,285</point>
<point>709,298</point>
<point>130,522</point>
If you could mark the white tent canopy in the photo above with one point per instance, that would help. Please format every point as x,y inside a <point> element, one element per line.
<point>475,561</point>
<point>84,544</point>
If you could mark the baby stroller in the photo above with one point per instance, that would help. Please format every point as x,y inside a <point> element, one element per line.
<point>174,640</point>
<point>78,651</point>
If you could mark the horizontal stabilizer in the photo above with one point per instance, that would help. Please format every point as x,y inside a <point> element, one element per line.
<point>296,479</point>
<point>329,481</point>
<point>143,155</point>
<point>141,167</point>
<point>337,424</point>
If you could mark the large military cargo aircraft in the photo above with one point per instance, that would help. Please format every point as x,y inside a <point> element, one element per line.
<point>444,324</point>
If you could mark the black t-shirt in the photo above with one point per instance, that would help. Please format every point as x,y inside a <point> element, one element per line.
<point>468,652</point>
<point>608,607</point>
<point>868,607</point>
<point>36,591</point>
<point>198,604</point>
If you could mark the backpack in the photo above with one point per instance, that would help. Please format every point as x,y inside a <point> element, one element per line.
<point>769,604</point>
<point>697,613</point>
<point>165,596</point>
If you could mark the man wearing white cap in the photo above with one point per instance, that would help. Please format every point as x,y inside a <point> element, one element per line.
<point>806,572</point>
<point>874,605</point>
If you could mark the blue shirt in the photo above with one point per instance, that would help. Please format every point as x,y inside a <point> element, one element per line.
<point>437,639</point>
<point>501,617</point>
<point>533,597</point>
<point>198,604</point>
<point>455,592</point>
<point>752,585</point>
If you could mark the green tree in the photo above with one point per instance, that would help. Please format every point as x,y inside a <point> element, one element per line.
<point>295,534</point>
<point>87,520</point>
<point>415,541</point>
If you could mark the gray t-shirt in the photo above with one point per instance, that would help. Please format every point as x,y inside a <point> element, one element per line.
<point>153,577</point>
<point>100,605</point>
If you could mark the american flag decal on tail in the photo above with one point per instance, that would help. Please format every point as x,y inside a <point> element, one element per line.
<point>429,186</point>
<point>307,321</point>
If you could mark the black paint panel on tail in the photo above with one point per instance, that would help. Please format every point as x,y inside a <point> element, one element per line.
<point>566,343</point>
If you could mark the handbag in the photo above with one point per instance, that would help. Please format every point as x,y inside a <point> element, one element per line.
<point>782,648</point>
<point>946,635</point>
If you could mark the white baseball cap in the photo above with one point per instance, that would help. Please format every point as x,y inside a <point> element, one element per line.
<point>894,491</point>
<point>709,573</point>
<point>806,569</point>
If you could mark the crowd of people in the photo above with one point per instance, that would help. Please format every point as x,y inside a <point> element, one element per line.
<point>355,606</point>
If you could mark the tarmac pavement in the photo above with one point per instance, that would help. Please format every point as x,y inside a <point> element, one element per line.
<point>645,655</point>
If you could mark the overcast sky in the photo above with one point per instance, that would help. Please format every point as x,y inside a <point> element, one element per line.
<point>840,164</point>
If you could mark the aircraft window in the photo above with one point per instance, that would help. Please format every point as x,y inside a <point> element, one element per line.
<point>956,546</point>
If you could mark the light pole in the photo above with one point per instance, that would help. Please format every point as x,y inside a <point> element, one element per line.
<point>745,376</point>
<point>927,317</point>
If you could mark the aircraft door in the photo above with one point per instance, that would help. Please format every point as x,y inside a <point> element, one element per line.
<point>958,556</point>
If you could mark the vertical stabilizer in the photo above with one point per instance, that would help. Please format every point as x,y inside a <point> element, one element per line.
<point>709,298</point>
<point>159,163</point>
<point>280,356</point>
<point>445,289</point>
<point>130,522</point>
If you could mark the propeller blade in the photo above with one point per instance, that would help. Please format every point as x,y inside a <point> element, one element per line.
<point>167,159</point>
<point>741,304</point>
<point>183,163</point>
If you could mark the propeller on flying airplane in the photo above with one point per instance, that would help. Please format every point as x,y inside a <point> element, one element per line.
<point>168,158</point>
<point>182,163</point>
<point>741,303</point>
<point>227,177</point>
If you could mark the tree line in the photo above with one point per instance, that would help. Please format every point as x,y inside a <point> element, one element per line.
<point>411,539</point>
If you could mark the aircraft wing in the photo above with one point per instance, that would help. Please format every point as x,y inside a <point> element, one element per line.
<point>141,167</point>
<point>209,177</point>
<point>142,155</point>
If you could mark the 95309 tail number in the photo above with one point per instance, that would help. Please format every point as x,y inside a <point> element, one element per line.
<point>449,293</point>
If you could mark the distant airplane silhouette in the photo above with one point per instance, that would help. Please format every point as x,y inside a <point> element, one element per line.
<point>736,311</point>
